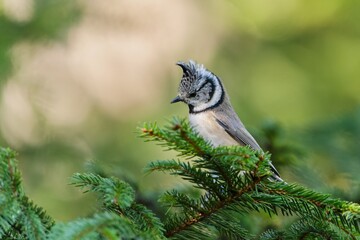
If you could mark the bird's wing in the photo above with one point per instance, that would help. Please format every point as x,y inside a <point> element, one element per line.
<point>238,132</point>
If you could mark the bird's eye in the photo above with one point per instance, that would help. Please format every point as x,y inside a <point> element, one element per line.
<point>192,94</point>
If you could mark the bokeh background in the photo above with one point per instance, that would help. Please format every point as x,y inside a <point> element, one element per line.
<point>77,78</point>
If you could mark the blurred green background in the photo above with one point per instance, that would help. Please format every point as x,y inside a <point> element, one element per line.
<point>78,77</point>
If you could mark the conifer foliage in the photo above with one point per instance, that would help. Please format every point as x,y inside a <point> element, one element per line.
<point>19,217</point>
<point>232,182</point>
<point>235,181</point>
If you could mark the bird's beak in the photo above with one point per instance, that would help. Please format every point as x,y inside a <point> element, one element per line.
<point>177,99</point>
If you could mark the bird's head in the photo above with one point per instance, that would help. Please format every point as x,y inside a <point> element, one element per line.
<point>199,88</point>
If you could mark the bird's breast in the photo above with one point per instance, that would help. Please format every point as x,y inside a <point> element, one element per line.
<point>208,128</point>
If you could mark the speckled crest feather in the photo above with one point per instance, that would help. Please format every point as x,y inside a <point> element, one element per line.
<point>192,71</point>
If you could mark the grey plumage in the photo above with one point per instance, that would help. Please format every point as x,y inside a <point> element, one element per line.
<point>210,110</point>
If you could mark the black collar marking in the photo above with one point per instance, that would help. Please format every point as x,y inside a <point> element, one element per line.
<point>191,107</point>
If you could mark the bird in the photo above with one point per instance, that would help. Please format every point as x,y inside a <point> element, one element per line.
<point>211,114</point>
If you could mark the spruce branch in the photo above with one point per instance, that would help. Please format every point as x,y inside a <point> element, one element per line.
<point>10,175</point>
<point>305,229</point>
<point>176,136</point>
<point>235,179</point>
<point>119,197</point>
<point>146,220</point>
<point>232,181</point>
<point>20,218</point>
<point>111,190</point>
<point>100,226</point>
<point>322,206</point>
